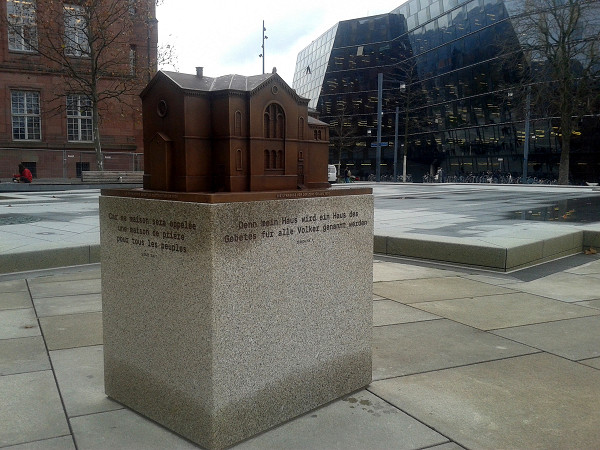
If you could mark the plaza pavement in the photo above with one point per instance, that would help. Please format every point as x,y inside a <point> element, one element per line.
<point>462,357</point>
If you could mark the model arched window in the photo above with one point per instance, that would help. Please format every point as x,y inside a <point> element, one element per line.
<point>238,159</point>
<point>301,128</point>
<point>274,130</point>
<point>237,126</point>
<point>274,122</point>
<point>267,125</point>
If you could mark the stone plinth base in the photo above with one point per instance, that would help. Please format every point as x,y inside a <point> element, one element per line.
<point>224,320</point>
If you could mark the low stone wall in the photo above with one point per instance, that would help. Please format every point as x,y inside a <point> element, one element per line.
<point>112,176</point>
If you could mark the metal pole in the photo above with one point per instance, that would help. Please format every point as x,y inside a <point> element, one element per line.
<point>379,115</point>
<point>405,145</point>
<point>527,131</point>
<point>396,145</point>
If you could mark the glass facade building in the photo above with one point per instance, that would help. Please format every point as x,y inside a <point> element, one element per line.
<point>446,83</point>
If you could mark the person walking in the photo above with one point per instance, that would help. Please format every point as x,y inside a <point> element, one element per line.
<point>347,175</point>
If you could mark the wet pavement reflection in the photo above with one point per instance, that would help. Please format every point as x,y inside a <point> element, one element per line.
<point>578,210</point>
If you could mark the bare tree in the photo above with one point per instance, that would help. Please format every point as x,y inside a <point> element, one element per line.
<point>87,43</point>
<point>561,43</point>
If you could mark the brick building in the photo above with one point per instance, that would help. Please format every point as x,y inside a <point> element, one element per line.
<point>46,119</point>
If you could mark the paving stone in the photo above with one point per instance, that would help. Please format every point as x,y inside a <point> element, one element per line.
<point>432,345</point>
<point>71,304</point>
<point>74,330</point>
<point>13,286</point>
<point>503,311</point>
<point>586,269</point>
<point>535,401</point>
<point>448,446</point>
<point>431,289</point>
<point>80,375</point>
<point>31,408</point>
<point>392,271</point>
<point>23,355</point>
<point>573,339</point>
<point>62,288</point>
<point>17,323</point>
<point>124,429</point>
<point>86,273</point>
<point>15,300</point>
<point>594,362</point>
<point>496,280</point>
<point>566,287</point>
<point>60,443</point>
<point>389,312</point>
<point>360,420</point>
<point>590,304</point>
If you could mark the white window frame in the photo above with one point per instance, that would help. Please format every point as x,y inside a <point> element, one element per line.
<point>26,115</point>
<point>22,25</point>
<point>76,31</point>
<point>79,118</point>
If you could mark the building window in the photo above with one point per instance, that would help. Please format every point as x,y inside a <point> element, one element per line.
<point>76,31</point>
<point>267,126</point>
<point>238,159</point>
<point>22,28</point>
<point>26,118</point>
<point>274,122</point>
<point>132,60</point>
<point>301,128</point>
<point>237,126</point>
<point>79,118</point>
<point>274,163</point>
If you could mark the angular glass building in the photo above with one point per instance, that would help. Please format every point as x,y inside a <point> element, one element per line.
<point>447,83</point>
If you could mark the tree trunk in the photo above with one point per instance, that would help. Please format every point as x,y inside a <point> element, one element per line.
<point>97,145</point>
<point>563,171</point>
<point>566,127</point>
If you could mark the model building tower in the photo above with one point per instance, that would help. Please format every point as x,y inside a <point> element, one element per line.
<point>232,133</point>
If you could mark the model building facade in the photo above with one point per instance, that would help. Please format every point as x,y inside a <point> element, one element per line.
<point>232,133</point>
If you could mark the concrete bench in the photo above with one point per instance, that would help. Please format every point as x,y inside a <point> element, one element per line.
<point>112,176</point>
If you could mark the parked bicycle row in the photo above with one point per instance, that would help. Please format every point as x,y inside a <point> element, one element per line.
<point>490,178</point>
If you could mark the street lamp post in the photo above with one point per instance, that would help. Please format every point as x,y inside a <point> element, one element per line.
<point>527,131</point>
<point>396,145</point>
<point>262,55</point>
<point>379,117</point>
<point>379,144</point>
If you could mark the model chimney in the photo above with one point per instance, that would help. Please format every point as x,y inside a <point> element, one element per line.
<point>199,72</point>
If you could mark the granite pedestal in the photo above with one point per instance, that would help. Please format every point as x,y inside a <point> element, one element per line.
<point>224,319</point>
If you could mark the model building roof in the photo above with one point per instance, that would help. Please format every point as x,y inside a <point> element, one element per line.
<point>222,83</point>
<point>232,82</point>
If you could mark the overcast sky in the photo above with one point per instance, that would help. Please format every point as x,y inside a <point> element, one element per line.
<point>225,37</point>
